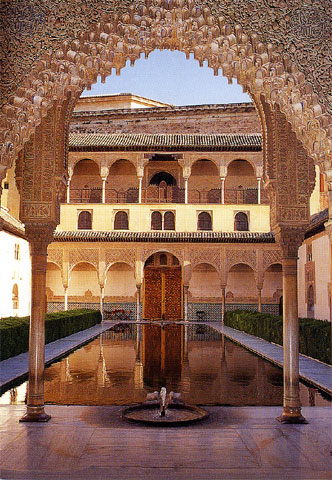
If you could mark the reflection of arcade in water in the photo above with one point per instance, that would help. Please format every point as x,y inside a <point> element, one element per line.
<point>162,287</point>
<point>131,360</point>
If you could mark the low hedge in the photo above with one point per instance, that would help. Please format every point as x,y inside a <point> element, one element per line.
<point>14,331</point>
<point>314,335</point>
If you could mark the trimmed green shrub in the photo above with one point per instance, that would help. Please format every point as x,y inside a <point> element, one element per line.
<point>314,335</point>
<point>14,331</point>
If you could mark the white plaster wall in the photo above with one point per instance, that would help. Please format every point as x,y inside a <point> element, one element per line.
<point>14,271</point>
<point>272,282</point>
<point>321,255</point>
<point>242,284</point>
<point>302,306</point>
<point>54,280</point>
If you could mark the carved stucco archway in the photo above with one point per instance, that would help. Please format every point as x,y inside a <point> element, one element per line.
<point>91,41</point>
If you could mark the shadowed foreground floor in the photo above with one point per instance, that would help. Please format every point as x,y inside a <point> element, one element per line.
<point>233,443</point>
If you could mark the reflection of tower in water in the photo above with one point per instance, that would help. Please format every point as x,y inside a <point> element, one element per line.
<point>162,355</point>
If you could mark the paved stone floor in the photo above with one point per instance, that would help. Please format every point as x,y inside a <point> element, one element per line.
<point>233,443</point>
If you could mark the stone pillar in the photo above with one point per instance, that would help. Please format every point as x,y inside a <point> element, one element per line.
<point>3,171</point>
<point>259,298</point>
<point>185,301</point>
<point>102,301</point>
<point>222,190</point>
<point>68,190</point>
<point>223,302</point>
<point>290,239</point>
<point>186,190</point>
<point>140,179</point>
<point>138,303</point>
<point>39,237</point>
<point>66,298</point>
<point>259,190</point>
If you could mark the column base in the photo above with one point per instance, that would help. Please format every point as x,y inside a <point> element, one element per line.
<point>35,414</point>
<point>292,415</point>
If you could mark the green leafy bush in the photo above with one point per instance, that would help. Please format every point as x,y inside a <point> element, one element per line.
<point>314,335</point>
<point>14,331</point>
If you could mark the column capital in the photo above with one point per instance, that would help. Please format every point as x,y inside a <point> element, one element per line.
<point>39,235</point>
<point>289,238</point>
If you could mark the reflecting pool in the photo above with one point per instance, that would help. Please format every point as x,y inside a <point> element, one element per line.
<point>128,361</point>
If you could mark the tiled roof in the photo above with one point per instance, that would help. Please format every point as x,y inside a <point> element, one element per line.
<point>170,142</point>
<point>317,223</point>
<point>195,237</point>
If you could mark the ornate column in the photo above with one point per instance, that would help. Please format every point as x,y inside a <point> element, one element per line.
<point>290,239</point>
<point>104,171</point>
<point>39,237</point>
<point>185,164</point>
<point>138,303</point>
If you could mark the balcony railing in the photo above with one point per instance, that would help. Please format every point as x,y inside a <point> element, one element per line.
<point>171,194</point>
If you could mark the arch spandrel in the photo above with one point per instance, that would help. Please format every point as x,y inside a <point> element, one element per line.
<point>224,35</point>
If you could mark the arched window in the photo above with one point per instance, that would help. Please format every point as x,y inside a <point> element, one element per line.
<point>15,297</point>
<point>163,259</point>
<point>241,222</point>
<point>121,221</point>
<point>156,221</point>
<point>84,221</point>
<point>204,221</point>
<point>169,221</point>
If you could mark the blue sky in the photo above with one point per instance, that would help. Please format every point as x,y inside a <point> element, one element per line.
<point>169,77</point>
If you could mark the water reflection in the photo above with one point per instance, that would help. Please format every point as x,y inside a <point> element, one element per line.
<point>127,362</point>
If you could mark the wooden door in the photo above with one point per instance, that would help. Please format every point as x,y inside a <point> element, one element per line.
<point>162,293</point>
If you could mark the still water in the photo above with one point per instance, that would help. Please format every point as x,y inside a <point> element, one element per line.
<point>129,361</point>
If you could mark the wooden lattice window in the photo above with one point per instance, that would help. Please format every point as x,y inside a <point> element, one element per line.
<point>311,299</point>
<point>169,221</point>
<point>121,221</point>
<point>204,221</point>
<point>156,221</point>
<point>84,221</point>
<point>241,223</point>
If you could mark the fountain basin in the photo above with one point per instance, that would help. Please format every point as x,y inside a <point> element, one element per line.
<point>177,414</point>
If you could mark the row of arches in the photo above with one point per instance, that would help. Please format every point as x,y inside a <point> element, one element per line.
<point>204,284</point>
<point>163,221</point>
<point>164,183</point>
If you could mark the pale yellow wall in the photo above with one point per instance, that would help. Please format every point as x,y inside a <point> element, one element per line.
<point>185,216</point>
<point>12,272</point>
<point>10,198</point>
<point>54,280</point>
<point>83,277</point>
<point>120,281</point>
<point>205,282</point>
<point>315,196</point>
<point>109,102</point>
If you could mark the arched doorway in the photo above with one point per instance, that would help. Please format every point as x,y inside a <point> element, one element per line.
<point>162,288</point>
